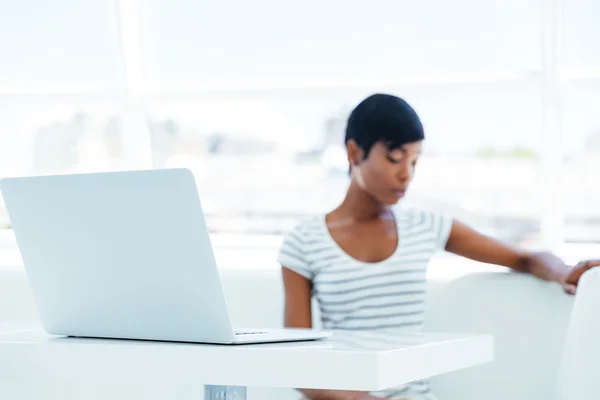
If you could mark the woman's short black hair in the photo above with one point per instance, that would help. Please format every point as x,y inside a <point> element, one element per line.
<point>383,118</point>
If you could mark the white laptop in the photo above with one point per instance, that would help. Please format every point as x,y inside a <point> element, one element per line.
<point>125,255</point>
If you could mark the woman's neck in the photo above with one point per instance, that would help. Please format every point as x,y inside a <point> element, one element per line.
<point>358,205</point>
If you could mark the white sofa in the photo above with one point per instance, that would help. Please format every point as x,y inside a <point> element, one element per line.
<point>581,360</point>
<point>527,317</point>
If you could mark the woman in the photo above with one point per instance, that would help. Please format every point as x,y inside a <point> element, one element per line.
<point>365,261</point>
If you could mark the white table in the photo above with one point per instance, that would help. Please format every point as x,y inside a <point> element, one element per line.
<point>350,361</point>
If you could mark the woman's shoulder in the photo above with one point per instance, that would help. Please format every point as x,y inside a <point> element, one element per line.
<point>297,242</point>
<point>424,223</point>
<point>306,232</point>
<point>414,214</point>
<point>307,225</point>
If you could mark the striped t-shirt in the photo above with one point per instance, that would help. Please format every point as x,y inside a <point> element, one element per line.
<point>385,296</point>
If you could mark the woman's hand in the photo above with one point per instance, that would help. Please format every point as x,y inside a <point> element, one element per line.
<point>550,267</point>
<point>571,279</point>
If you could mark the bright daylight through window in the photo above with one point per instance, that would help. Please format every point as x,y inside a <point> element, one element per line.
<point>255,102</point>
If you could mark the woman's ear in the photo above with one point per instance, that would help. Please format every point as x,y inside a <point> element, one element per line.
<point>355,153</point>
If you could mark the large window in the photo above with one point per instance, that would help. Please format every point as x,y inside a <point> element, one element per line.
<point>255,101</point>
<point>581,138</point>
<point>281,157</point>
<point>581,54</point>
<point>337,42</point>
<point>59,88</point>
<point>582,164</point>
<point>57,45</point>
<point>56,137</point>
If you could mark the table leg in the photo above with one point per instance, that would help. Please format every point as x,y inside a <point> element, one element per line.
<point>214,392</point>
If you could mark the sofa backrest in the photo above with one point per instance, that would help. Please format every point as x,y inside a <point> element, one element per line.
<point>580,372</point>
<point>528,319</point>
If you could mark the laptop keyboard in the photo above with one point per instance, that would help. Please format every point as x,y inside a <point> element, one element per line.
<point>238,333</point>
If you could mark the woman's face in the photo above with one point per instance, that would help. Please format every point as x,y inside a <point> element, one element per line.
<point>385,174</point>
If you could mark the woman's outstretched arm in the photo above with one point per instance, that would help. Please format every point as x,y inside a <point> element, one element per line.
<point>466,242</point>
